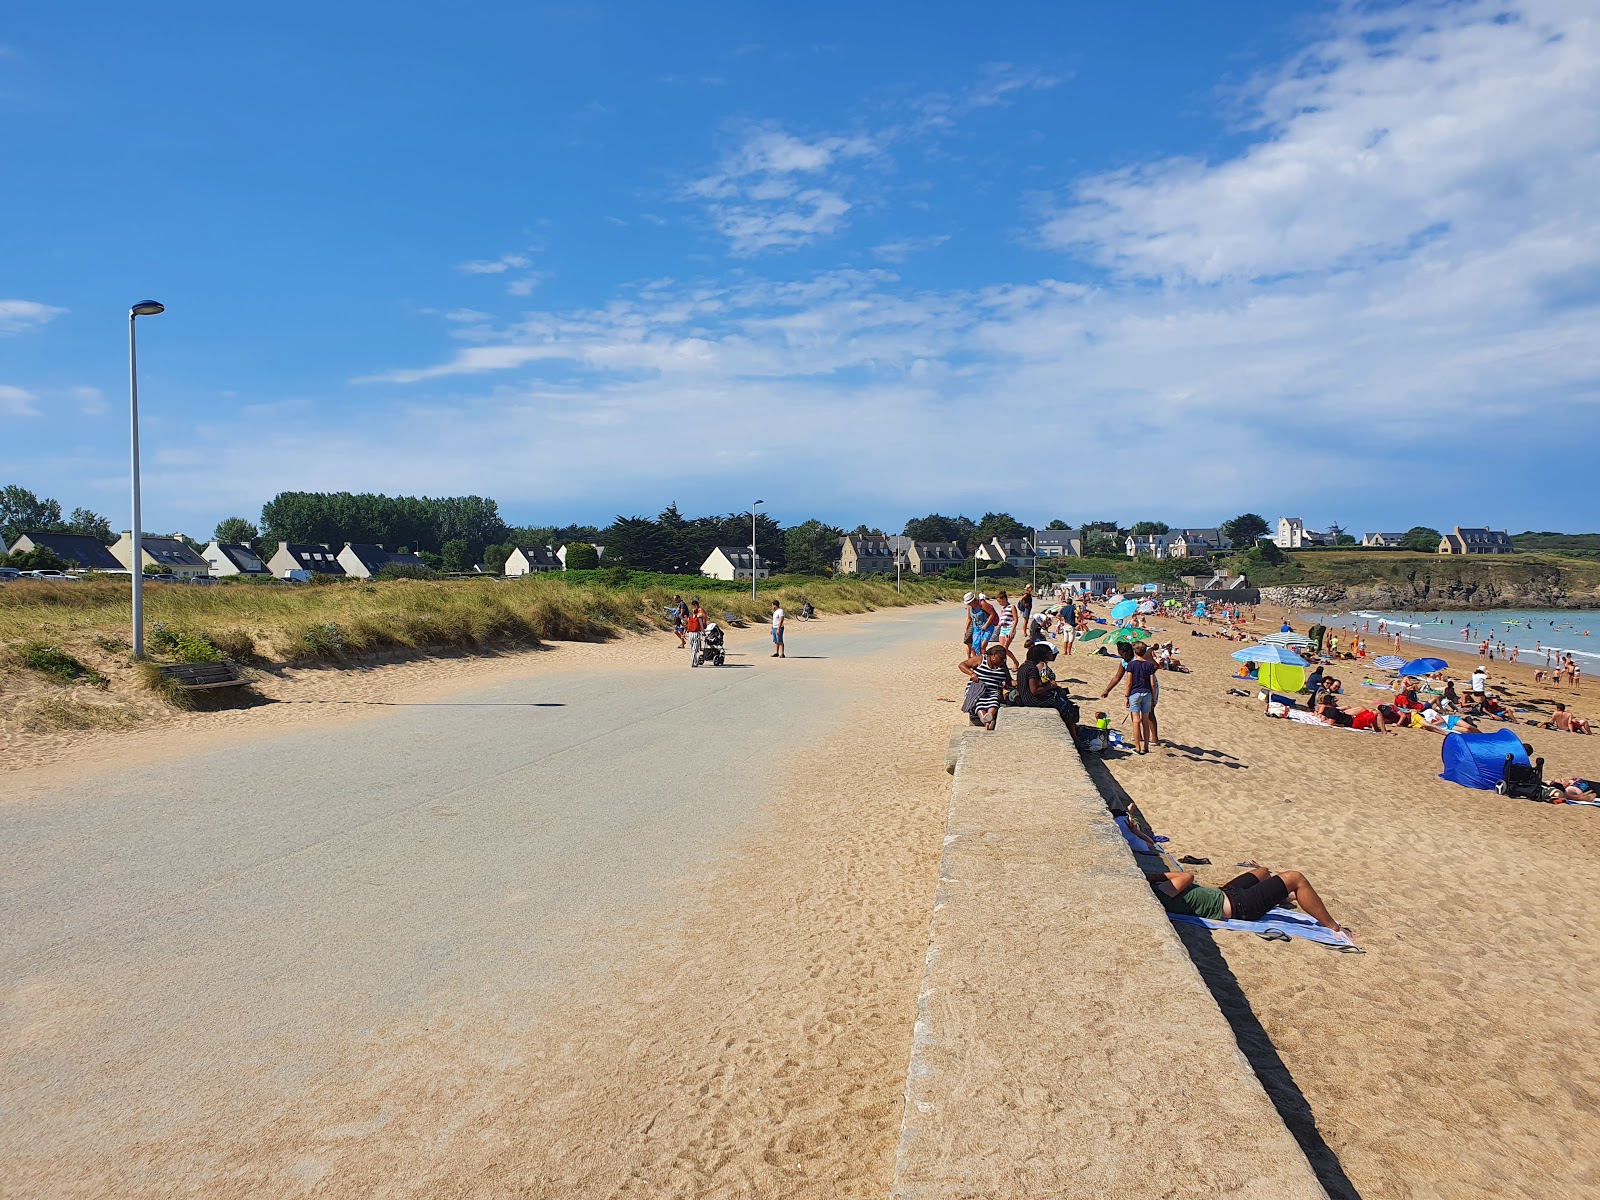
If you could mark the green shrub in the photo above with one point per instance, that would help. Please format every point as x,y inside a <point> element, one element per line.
<point>616,577</point>
<point>191,648</point>
<point>234,643</point>
<point>111,644</point>
<point>324,640</point>
<point>406,571</point>
<point>59,665</point>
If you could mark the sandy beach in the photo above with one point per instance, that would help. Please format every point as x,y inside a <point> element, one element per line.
<point>752,1039</point>
<point>1459,1057</point>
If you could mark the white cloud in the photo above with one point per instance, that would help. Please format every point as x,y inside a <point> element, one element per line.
<point>89,400</point>
<point>900,249</point>
<point>494,266</point>
<point>776,191</point>
<point>17,402</point>
<point>1401,129</point>
<point>24,316</point>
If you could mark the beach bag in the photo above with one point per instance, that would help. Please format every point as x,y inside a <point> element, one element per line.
<point>970,700</point>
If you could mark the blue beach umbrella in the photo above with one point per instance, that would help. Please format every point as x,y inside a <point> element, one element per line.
<point>1280,655</point>
<point>1423,666</point>
<point>1125,609</point>
<point>1389,662</point>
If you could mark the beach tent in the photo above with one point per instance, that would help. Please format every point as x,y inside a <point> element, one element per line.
<point>1478,760</point>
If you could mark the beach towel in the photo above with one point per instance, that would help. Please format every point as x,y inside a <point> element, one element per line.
<point>1295,924</point>
<point>1305,718</point>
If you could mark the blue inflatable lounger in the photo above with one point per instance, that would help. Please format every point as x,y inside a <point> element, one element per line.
<point>1478,760</point>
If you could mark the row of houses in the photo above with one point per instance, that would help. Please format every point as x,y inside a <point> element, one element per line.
<point>1293,535</point>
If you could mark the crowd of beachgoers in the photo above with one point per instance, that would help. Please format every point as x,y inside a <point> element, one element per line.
<point>1011,644</point>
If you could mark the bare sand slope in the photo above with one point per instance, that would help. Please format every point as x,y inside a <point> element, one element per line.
<point>1460,1057</point>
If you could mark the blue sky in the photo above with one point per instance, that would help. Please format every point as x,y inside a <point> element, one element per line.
<point>1162,261</point>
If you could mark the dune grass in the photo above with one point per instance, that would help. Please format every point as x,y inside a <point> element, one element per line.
<point>347,620</point>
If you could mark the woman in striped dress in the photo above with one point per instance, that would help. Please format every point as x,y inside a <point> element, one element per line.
<point>993,676</point>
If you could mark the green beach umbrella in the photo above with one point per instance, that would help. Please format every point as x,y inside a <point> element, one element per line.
<point>1092,634</point>
<point>1131,634</point>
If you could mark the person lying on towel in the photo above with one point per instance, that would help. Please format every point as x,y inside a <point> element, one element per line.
<point>1247,897</point>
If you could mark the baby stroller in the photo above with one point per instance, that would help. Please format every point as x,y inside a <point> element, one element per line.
<point>711,648</point>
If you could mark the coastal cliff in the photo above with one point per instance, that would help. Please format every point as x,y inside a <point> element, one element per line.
<point>1423,591</point>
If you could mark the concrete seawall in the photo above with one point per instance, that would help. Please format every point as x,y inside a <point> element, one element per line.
<point>1065,1044</point>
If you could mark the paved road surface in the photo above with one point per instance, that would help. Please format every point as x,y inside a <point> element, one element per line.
<point>219,927</point>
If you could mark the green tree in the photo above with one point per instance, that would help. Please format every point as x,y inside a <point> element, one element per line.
<point>1058,523</point>
<point>1244,529</point>
<point>40,558</point>
<point>581,556</point>
<point>89,524</point>
<point>1145,528</point>
<point>456,556</point>
<point>811,547</point>
<point>21,510</point>
<point>494,557</point>
<point>935,528</point>
<point>1001,525</point>
<point>635,542</point>
<point>431,560</point>
<point>1100,544</point>
<point>1420,537</point>
<point>235,531</point>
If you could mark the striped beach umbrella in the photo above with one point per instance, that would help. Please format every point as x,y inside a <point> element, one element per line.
<point>1265,653</point>
<point>1389,662</point>
<point>1297,640</point>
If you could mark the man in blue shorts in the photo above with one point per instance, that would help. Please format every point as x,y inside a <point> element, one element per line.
<point>777,631</point>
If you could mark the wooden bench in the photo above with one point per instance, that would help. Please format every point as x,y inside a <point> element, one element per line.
<point>194,677</point>
<point>735,620</point>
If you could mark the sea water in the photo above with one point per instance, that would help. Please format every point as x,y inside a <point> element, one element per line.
<point>1531,630</point>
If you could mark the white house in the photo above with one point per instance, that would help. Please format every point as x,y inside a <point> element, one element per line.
<point>172,556</point>
<point>363,560</point>
<point>733,562</point>
<point>1016,551</point>
<point>1090,585</point>
<point>1151,545</point>
<point>1058,543</point>
<point>1293,534</point>
<point>302,560</point>
<point>532,560</point>
<point>226,558</point>
<point>1383,539</point>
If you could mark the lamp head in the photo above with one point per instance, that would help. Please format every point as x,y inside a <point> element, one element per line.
<point>147,308</point>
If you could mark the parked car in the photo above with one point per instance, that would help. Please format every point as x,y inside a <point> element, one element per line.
<point>10,573</point>
<point>52,576</point>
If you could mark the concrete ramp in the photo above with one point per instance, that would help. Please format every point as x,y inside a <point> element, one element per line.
<point>1065,1045</point>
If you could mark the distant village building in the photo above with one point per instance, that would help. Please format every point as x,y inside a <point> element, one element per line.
<point>1383,539</point>
<point>531,560</point>
<point>733,562</point>
<point>1293,534</point>
<point>1058,543</point>
<point>1016,551</point>
<point>1196,543</point>
<point>1476,541</point>
<point>302,560</point>
<point>228,559</point>
<point>1090,585</point>
<point>80,550</point>
<point>1150,545</point>
<point>363,560</point>
<point>930,558</point>
<point>864,554</point>
<point>170,555</point>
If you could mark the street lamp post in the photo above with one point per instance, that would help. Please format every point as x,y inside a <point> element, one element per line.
<point>145,308</point>
<point>753,508</point>
<point>1035,562</point>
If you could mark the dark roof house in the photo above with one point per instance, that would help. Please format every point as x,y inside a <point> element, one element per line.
<point>363,560</point>
<point>79,549</point>
<point>227,558</point>
<point>313,557</point>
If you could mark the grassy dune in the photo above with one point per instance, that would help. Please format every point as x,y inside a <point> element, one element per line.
<point>342,621</point>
